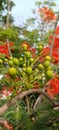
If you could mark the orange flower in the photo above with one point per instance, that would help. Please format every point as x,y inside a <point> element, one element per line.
<point>57,30</point>
<point>53,87</point>
<point>45,51</point>
<point>33,51</point>
<point>47,14</point>
<point>55,56</point>
<point>56,42</point>
<point>36,85</point>
<point>24,43</point>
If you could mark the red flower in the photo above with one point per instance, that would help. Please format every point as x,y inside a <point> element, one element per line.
<point>56,41</point>
<point>53,87</point>
<point>50,39</point>
<point>33,51</point>
<point>57,30</point>
<point>25,43</point>
<point>47,14</point>
<point>41,59</point>
<point>11,43</point>
<point>4,50</point>
<point>45,51</point>
<point>55,56</point>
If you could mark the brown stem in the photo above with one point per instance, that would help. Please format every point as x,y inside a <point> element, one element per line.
<point>6,106</point>
<point>8,13</point>
<point>37,102</point>
<point>28,105</point>
<point>7,41</point>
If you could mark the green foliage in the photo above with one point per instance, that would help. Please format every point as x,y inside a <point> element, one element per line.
<point>50,3</point>
<point>8,33</point>
<point>45,117</point>
<point>31,36</point>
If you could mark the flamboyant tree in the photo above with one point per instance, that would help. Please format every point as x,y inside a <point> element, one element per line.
<point>31,77</point>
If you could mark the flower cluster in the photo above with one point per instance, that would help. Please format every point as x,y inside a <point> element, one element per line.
<point>53,87</point>
<point>55,51</point>
<point>4,48</point>
<point>47,14</point>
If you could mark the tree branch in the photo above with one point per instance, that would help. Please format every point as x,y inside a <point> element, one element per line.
<point>7,41</point>
<point>38,102</point>
<point>6,106</point>
<point>56,108</point>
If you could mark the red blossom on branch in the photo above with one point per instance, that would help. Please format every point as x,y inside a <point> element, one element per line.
<point>33,52</point>
<point>55,56</point>
<point>4,48</point>
<point>47,14</point>
<point>56,41</point>
<point>57,30</point>
<point>25,43</point>
<point>55,49</point>
<point>45,51</point>
<point>53,87</point>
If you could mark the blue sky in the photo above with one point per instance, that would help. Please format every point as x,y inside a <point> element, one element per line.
<point>22,9</point>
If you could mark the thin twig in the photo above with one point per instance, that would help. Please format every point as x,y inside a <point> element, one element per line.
<point>38,102</point>
<point>7,41</point>
<point>28,105</point>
